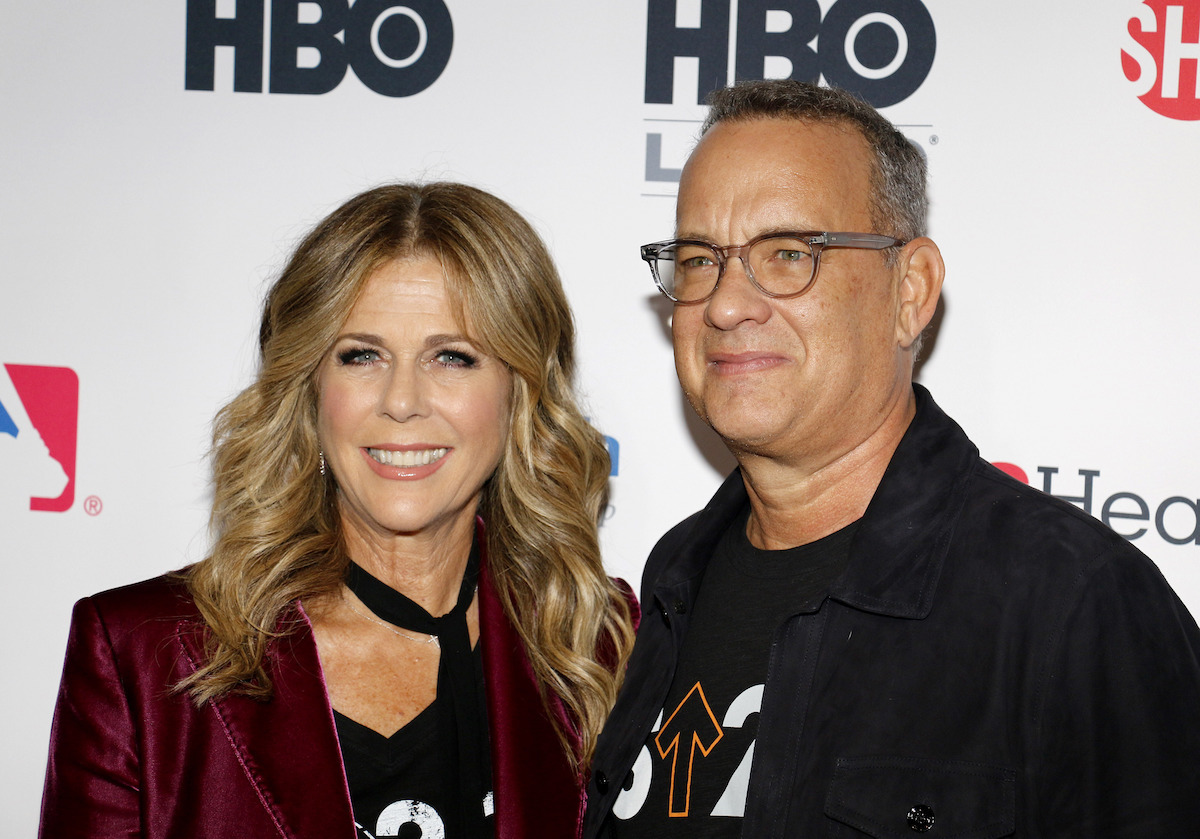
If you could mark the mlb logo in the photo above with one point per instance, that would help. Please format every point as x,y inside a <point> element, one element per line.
<point>39,413</point>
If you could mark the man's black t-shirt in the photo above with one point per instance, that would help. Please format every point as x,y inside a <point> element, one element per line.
<point>690,780</point>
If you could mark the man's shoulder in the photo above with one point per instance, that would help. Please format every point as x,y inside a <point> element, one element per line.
<point>1044,534</point>
<point>1025,511</point>
<point>678,535</point>
<point>942,474</point>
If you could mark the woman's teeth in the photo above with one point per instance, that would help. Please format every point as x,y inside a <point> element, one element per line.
<point>416,457</point>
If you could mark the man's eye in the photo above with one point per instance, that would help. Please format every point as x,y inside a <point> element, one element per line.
<point>790,255</point>
<point>697,262</point>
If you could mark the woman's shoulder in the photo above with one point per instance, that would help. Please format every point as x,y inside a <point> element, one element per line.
<point>160,599</point>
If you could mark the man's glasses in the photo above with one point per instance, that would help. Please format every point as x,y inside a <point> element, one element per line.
<point>778,264</point>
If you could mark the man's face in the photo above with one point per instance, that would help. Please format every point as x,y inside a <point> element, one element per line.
<point>810,378</point>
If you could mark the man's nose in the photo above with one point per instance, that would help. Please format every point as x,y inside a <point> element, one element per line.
<point>736,299</point>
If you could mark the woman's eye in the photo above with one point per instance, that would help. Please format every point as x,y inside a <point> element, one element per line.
<point>455,358</point>
<point>358,356</point>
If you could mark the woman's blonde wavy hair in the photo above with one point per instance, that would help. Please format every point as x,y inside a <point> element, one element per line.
<point>275,523</point>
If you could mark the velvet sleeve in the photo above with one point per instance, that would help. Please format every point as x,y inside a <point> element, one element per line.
<point>93,776</point>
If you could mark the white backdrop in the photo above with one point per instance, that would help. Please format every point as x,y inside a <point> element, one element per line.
<point>142,221</point>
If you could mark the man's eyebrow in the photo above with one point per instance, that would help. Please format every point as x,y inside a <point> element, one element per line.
<point>770,231</point>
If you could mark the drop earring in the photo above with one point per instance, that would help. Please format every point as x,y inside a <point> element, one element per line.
<point>321,455</point>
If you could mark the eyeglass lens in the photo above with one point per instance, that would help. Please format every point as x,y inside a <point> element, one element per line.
<point>778,265</point>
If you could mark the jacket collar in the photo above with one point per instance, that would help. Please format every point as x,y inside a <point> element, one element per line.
<point>897,554</point>
<point>287,746</point>
<point>524,742</point>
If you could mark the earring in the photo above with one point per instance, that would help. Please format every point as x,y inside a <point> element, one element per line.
<point>321,455</point>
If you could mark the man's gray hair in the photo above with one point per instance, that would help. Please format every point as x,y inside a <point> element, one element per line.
<point>899,205</point>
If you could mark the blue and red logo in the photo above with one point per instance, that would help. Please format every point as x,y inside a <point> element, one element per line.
<point>39,414</point>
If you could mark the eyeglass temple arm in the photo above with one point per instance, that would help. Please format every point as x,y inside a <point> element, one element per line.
<point>872,241</point>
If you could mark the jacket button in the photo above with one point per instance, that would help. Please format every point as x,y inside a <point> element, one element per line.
<point>601,782</point>
<point>679,606</point>
<point>920,818</point>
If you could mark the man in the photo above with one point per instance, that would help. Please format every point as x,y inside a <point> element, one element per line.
<point>870,631</point>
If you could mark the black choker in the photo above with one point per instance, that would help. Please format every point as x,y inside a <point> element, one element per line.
<point>462,725</point>
<point>398,610</point>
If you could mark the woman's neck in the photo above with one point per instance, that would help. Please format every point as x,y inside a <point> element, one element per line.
<point>426,568</point>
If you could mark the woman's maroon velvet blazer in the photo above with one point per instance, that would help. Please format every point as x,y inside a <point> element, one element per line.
<point>131,758</point>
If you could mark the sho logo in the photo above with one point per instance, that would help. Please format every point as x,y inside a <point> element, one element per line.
<point>1161,57</point>
<point>395,49</point>
<point>39,410</point>
<point>880,49</point>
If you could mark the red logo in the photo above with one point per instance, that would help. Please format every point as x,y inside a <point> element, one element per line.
<point>1013,471</point>
<point>38,423</point>
<point>1161,57</point>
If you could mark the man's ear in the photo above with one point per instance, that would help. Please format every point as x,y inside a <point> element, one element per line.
<point>921,272</point>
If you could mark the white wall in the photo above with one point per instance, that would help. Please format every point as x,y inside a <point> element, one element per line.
<point>142,221</point>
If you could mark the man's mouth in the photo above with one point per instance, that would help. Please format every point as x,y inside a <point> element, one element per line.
<point>730,362</point>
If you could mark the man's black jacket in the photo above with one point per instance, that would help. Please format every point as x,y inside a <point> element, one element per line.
<point>992,660</point>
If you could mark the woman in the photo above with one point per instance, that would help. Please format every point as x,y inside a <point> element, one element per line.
<point>408,475</point>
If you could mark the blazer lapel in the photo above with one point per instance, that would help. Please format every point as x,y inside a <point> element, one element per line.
<point>288,746</point>
<point>538,791</point>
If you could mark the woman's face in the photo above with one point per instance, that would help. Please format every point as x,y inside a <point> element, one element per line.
<point>413,417</point>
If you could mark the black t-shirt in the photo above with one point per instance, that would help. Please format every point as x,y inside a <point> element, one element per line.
<point>405,785</point>
<point>690,779</point>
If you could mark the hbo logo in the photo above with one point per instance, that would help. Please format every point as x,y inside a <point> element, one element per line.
<point>396,48</point>
<point>880,49</point>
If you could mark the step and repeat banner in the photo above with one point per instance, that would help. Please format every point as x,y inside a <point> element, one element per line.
<point>161,159</point>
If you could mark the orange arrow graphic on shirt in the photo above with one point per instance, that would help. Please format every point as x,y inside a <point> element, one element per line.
<point>691,726</point>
